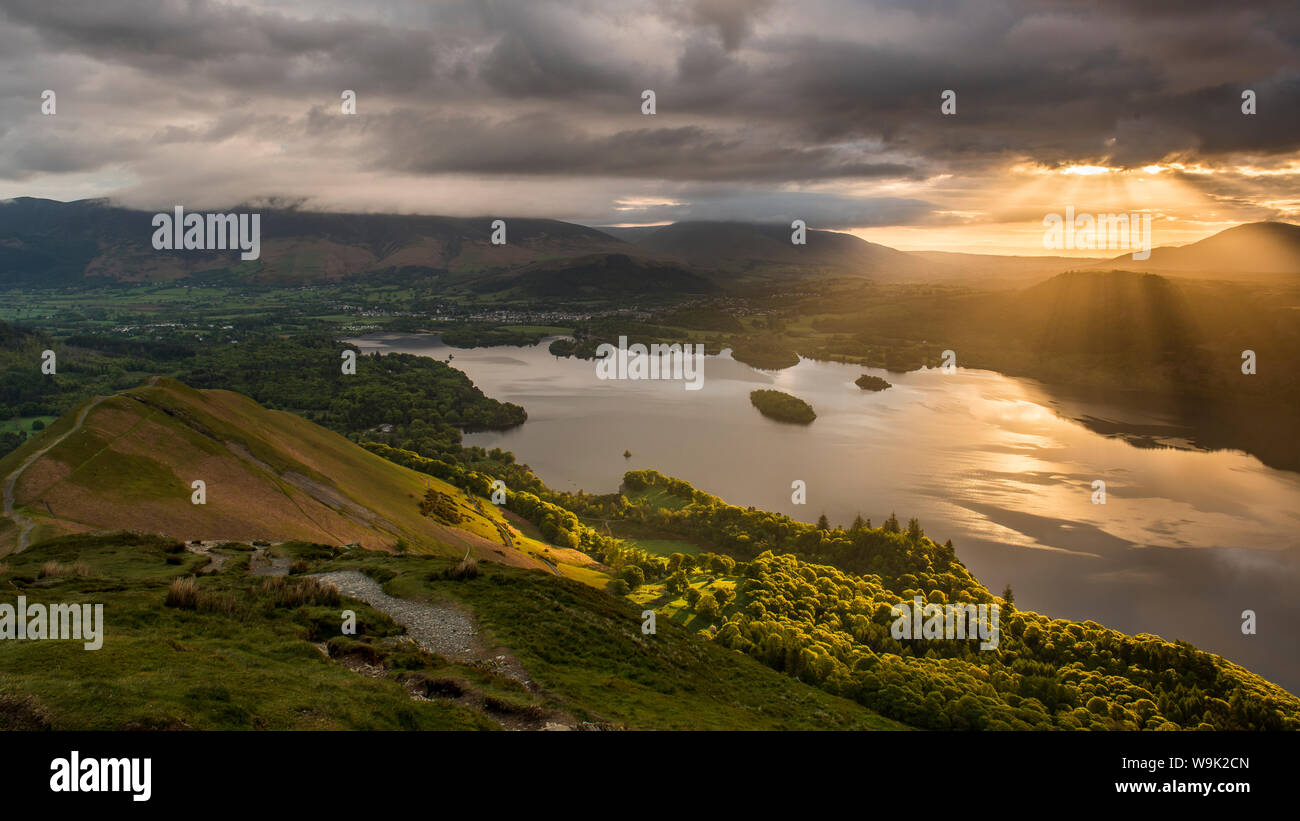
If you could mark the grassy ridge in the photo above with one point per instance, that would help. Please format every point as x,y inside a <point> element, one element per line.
<point>269,475</point>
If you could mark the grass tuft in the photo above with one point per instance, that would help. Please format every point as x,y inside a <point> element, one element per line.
<point>185,594</point>
<point>467,569</point>
<point>54,570</point>
<point>287,592</point>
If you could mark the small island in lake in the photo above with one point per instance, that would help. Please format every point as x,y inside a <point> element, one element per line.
<point>782,407</point>
<point>871,383</point>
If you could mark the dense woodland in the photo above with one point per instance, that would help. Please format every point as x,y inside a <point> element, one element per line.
<point>832,628</point>
<point>815,602</point>
<point>427,403</point>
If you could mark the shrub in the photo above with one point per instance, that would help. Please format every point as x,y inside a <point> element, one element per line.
<point>677,583</point>
<point>634,576</point>
<point>707,606</point>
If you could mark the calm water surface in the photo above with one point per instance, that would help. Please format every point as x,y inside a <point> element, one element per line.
<point>1186,541</point>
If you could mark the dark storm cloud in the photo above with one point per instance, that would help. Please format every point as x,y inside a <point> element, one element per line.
<point>536,54</point>
<point>750,92</point>
<point>546,144</point>
<point>61,153</point>
<point>230,47</point>
<point>733,19</point>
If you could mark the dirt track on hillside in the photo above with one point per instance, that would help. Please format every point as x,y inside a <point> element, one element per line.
<point>24,524</point>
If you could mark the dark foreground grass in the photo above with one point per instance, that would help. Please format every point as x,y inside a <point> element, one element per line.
<point>586,648</point>
<point>251,665</point>
<point>228,650</point>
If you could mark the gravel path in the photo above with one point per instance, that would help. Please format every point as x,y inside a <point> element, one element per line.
<point>260,564</point>
<point>205,549</point>
<point>443,631</point>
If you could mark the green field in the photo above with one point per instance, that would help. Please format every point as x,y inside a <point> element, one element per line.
<point>24,423</point>
<point>664,547</point>
<point>657,497</point>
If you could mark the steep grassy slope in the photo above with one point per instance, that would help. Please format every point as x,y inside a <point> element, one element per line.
<point>269,475</point>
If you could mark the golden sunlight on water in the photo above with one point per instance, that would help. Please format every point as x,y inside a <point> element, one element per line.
<point>982,459</point>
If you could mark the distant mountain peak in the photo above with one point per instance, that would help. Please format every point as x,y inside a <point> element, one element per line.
<point>1251,250</point>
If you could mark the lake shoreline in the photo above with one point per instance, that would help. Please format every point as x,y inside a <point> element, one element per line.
<point>987,460</point>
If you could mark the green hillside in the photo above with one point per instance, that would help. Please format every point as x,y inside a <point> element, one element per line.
<point>269,475</point>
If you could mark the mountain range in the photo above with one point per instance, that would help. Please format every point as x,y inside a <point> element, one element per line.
<point>49,242</point>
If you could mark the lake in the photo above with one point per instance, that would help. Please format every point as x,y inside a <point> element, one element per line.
<point>1186,541</point>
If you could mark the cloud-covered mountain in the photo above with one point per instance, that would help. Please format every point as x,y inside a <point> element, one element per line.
<point>42,241</point>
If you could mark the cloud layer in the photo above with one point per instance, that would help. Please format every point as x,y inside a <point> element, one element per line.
<point>825,110</point>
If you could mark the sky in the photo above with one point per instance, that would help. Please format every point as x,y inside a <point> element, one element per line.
<point>823,110</point>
